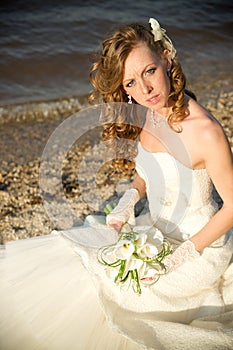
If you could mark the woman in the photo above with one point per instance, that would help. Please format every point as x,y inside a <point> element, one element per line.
<point>157,82</point>
<point>48,300</point>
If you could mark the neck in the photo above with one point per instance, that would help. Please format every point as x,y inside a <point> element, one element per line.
<point>164,111</point>
<point>156,119</point>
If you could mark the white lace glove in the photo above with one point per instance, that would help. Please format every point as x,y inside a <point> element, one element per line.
<point>124,211</point>
<point>185,252</point>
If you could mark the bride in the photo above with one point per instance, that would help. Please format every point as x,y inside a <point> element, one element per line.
<point>55,294</point>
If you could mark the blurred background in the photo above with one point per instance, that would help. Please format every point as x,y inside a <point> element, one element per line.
<point>46,47</point>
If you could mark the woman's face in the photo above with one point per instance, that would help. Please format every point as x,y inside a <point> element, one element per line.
<point>145,77</point>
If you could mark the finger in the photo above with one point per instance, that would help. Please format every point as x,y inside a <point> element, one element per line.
<point>149,279</point>
<point>116,225</point>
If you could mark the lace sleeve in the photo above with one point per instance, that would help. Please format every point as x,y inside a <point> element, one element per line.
<point>186,251</point>
<point>124,211</point>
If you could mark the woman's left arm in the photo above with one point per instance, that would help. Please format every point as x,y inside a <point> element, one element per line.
<point>218,160</point>
<point>219,165</point>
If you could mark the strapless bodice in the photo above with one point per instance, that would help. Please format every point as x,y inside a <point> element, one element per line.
<point>180,198</point>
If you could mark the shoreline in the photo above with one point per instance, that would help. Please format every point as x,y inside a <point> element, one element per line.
<point>41,110</point>
<point>22,141</point>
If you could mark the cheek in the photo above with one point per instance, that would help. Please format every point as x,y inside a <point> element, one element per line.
<point>129,91</point>
<point>134,92</point>
<point>138,96</point>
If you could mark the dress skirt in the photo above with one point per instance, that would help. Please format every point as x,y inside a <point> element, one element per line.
<point>55,295</point>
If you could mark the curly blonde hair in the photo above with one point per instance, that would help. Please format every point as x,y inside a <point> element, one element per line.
<point>106,76</point>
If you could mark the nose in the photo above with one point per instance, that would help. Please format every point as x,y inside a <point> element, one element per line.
<point>145,86</point>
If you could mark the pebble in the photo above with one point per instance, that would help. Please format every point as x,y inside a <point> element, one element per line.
<point>86,190</point>
<point>23,213</point>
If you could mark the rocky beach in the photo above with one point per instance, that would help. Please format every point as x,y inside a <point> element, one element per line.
<point>24,132</point>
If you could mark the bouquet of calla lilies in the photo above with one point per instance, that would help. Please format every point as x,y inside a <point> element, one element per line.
<point>137,256</point>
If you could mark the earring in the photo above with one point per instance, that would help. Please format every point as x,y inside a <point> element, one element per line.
<point>130,100</point>
<point>169,73</point>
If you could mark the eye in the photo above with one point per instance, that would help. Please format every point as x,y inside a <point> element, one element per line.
<point>150,71</point>
<point>130,84</point>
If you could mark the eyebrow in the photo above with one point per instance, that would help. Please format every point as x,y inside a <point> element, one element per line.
<point>130,79</point>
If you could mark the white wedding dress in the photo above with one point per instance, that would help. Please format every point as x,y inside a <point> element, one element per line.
<point>55,295</point>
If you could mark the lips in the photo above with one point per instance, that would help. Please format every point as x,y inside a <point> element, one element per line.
<point>153,99</point>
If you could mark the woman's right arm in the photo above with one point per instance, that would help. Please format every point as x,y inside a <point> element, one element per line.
<point>140,185</point>
<point>124,211</point>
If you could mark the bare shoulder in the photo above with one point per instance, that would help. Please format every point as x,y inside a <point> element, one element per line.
<point>205,137</point>
<point>205,126</point>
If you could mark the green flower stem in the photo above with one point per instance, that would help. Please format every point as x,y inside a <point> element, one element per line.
<point>121,270</point>
<point>135,278</point>
<point>109,208</point>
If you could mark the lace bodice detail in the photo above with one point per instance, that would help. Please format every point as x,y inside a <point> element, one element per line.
<point>180,198</point>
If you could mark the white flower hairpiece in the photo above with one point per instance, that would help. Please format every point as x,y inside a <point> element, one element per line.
<point>160,34</point>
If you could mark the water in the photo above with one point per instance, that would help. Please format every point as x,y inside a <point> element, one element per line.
<point>46,48</point>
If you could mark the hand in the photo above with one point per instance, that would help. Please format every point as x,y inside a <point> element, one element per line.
<point>115,224</point>
<point>185,252</point>
<point>124,211</point>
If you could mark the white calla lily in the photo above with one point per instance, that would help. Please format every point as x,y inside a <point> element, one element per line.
<point>155,237</point>
<point>141,240</point>
<point>136,257</point>
<point>124,249</point>
<point>147,251</point>
<point>138,264</point>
